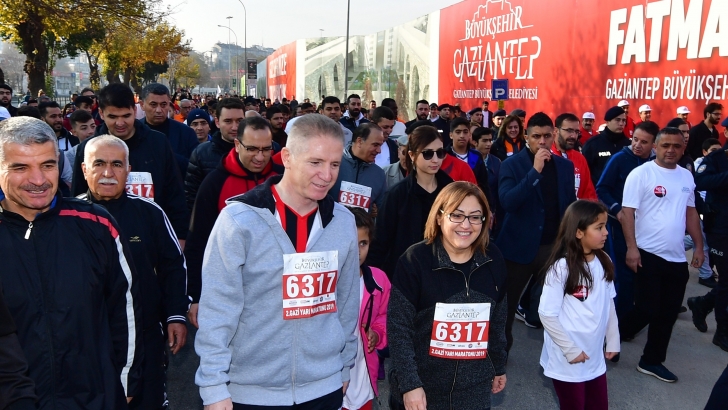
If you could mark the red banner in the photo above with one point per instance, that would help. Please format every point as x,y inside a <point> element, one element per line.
<point>282,73</point>
<point>577,56</point>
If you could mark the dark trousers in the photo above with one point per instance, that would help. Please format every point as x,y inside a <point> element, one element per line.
<point>518,277</point>
<point>589,395</point>
<point>719,396</point>
<point>659,292</point>
<point>718,245</point>
<point>624,276</point>
<point>154,373</point>
<point>331,401</point>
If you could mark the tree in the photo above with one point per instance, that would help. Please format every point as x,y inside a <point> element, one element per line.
<point>32,24</point>
<point>186,72</point>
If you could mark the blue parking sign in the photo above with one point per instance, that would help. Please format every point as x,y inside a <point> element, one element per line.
<point>499,90</point>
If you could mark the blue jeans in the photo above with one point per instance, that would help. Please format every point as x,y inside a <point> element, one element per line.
<point>705,271</point>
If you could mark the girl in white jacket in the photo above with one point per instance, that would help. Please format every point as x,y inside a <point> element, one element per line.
<point>577,309</point>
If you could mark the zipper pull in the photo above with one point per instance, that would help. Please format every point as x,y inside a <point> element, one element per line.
<point>27,233</point>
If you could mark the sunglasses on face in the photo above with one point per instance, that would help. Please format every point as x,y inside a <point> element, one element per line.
<point>429,153</point>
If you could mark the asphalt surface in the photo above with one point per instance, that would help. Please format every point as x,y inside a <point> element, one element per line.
<point>691,356</point>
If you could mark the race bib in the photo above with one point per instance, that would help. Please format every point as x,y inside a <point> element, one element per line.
<point>352,194</point>
<point>140,184</point>
<point>309,284</point>
<point>460,331</point>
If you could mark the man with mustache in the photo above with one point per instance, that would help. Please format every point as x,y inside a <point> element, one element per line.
<point>157,257</point>
<point>78,321</point>
<point>6,97</point>
<point>567,126</point>
<point>52,114</point>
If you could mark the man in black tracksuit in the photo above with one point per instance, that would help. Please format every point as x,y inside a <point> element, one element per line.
<point>68,279</point>
<point>600,148</point>
<point>17,391</point>
<point>157,257</point>
<point>155,101</point>
<point>712,177</point>
<point>207,156</point>
<point>150,157</point>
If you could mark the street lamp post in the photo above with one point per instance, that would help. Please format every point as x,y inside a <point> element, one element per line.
<point>236,57</point>
<point>346,59</point>
<point>245,40</point>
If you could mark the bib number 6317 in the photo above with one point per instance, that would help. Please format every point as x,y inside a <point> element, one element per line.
<point>308,285</point>
<point>459,332</point>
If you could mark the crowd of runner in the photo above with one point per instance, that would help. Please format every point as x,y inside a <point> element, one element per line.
<point>310,242</point>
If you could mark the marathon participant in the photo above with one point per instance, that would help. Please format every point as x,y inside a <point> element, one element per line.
<point>88,300</point>
<point>629,125</point>
<point>80,103</point>
<point>510,140</point>
<point>353,117</point>
<point>157,256</point>
<point>498,118</point>
<point>483,138</point>
<point>587,128</point>
<point>442,123</point>
<point>155,102</point>
<point>712,177</point>
<point>361,183</point>
<point>705,129</point>
<point>372,325</point>
<point>434,113</point>
<point>331,107</point>
<point>277,123</point>
<point>599,149</point>
<point>461,150</point>
<point>199,121</point>
<point>422,112</point>
<point>428,288</point>
<point>50,112</point>
<point>527,186</point>
<point>307,108</point>
<point>384,118</point>
<point>83,126</point>
<point>684,128</point>
<point>154,169</point>
<point>212,110</point>
<point>17,390</point>
<point>487,115</point>
<point>401,218</point>
<point>6,99</point>
<point>399,128</point>
<point>476,116</point>
<point>520,114</point>
<point>185,106</point>
<point>206,157</point>
<point>610,191</point>
<point>645,114</point>
<point>259,241</point>
<point>682,113</point>
<point>398,171</point>
<point>655,251</point>
<point>566,139</point>
<point>243,168</point>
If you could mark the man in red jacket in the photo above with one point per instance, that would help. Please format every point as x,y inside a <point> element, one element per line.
<point>629,127</point>
<point>242,169</point>
<point>568,129</point>
<point>587,127</point>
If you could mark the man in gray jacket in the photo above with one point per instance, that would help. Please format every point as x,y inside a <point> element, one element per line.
<point>361,183</point>
<point>280,286</point>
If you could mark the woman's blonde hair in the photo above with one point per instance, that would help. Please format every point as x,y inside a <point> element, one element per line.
<point>447,201</point>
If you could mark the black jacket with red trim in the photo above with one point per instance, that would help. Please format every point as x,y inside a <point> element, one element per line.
<point>157,257</point>
<point>230,179</point>
<point>71,288</point>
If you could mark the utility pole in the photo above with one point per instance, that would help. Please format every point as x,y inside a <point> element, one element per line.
<point>346,59</point>
<point>229,53</point>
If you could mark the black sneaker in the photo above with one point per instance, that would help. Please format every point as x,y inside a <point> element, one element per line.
<point>696,306</point>
<point>521,313</point>
<point>659,371</point>
<point>721,340</point>
<point>710,282</point>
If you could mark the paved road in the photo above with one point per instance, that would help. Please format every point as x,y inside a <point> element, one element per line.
<point>691,356</point>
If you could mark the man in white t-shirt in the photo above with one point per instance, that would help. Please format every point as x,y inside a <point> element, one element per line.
<point>657,208</point>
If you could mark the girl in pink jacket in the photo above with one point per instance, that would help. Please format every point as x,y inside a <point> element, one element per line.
<point>374,290</point>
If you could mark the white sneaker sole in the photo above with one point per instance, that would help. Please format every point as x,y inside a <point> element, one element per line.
<point>643,371</point>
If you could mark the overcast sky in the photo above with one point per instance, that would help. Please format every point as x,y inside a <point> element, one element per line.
<point>274,23</point>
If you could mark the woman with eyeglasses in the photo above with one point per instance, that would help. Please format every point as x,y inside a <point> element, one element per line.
<point>447,310</point>
<point>401,221</point>
<point>511,138</point>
